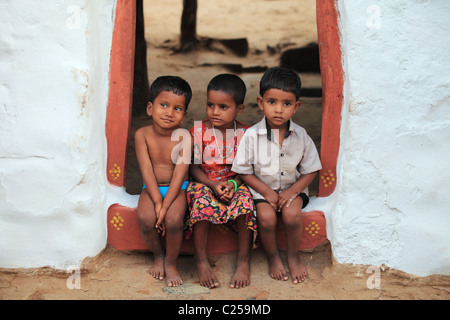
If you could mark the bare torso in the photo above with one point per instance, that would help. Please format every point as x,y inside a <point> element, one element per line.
<point>160,149</point>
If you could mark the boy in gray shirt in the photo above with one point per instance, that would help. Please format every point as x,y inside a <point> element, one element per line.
<point>278,160</point>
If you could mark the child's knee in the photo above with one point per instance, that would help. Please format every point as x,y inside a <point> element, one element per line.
<point>267,222</point>
<point>292,218</point>
<point>145,217</point>
<point>174,223</point>
<point>146,224</point>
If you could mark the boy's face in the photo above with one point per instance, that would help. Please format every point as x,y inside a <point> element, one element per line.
<point>279,106</point>
<point>167,110</point>
<point>221,109</point>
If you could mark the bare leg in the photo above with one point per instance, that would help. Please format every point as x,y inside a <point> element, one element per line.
<point>267,223</point>
<point>147,220</point>
<point>174,221</point>
<point>205,273</point>
<point>241,276</point>
<point>292,220</point>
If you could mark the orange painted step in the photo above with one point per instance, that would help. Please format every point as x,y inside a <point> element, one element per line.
<point>124,234</point>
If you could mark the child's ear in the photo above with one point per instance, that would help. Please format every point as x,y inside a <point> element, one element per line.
<point>298,103</point>
<point>240,108</point>
<point>259,100</point>
<point>149,108</point>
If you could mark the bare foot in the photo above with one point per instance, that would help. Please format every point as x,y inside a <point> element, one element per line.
<point>241,276</point>
<point>297,269</point>
<point>276,268</point>
<point>206,275</point>
<point>157,269</point>
<point>172,275</point>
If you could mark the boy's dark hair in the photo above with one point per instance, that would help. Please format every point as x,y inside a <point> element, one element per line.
<point>230,84</point>
<point>281,78</point>
<point>174,84</point>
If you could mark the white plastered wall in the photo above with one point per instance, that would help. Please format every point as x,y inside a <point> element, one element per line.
<point>392,204</point>
<point>54,78</point>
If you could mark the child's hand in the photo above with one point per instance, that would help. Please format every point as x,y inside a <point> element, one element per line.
<point>272,199</point>
<point>286,197</point>
<point>160,225</point>
<point>229,193</point>
<point>220,189</point>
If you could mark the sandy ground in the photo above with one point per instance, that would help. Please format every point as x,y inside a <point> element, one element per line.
<point>123,275</point>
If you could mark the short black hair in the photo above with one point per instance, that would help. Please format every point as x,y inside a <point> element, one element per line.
<point>281,78</point>
<point>174,84</point>
<point>230,84</point>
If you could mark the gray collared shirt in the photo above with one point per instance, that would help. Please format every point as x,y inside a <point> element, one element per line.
<point>277,166</point>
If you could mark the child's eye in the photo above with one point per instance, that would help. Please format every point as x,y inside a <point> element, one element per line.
<point>271,101</point>
<point>223,107</point>
<point>178,109</point>
<point>288,103</point>
<point>163,105</point>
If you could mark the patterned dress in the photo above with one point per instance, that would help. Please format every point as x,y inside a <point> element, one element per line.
<point>202,202</point>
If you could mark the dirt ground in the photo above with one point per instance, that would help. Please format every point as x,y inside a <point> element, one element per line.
<point>123,275</point>
<point>116,275</point>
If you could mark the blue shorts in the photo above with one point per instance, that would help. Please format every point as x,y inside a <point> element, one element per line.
<point>163,190</point>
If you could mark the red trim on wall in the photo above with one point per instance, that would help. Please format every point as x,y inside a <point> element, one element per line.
<point>118,116</point>
<point>332,88</point>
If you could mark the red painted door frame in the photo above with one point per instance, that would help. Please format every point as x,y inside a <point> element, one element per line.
<point>332,88</point>
<point>118,119</point>
<point>118,115</point>
<point>123,231</point>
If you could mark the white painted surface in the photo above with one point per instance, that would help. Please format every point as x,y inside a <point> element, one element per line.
<point>54,62</point>
<point>392,205</point>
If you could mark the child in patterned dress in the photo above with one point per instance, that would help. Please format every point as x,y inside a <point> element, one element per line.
<point>216,194</point>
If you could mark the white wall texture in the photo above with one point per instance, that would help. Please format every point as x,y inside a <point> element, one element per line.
<point>54,62</point>
<point>392,204</point>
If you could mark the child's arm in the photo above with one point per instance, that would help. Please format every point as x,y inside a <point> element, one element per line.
<point>146,167</point>
<point>196,172</point>
<point>178,178</point>
<point>287,196</point>
<point>179,175</point>
<point>308,167</point>
<point>243,162</point>
<point>256,184</point>
<point>231,188</point>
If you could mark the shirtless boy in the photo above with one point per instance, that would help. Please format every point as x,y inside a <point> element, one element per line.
<point>163,153</point>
